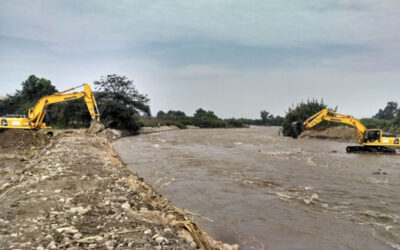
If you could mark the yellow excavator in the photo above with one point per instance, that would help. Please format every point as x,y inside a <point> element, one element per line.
<point>372,140</point>
<point>36,115</point>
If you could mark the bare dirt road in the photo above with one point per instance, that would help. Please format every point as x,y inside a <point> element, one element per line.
<point>265,191</point>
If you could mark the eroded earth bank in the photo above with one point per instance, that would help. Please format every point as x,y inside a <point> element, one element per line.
<point>71,191</point>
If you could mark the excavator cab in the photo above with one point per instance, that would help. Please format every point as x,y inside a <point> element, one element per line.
<point>372,135</point>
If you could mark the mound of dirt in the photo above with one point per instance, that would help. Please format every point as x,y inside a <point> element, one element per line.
<point>340,133</point>
<point>22,139</point>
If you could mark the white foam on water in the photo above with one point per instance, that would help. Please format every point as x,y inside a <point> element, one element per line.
<point>283,196</point>
<point>377,181</point>
<point>310,161</point>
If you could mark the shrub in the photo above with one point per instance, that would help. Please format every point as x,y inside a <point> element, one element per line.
<point>235,123</point>
<point>207,119</point>
<point>302,112</point>
<point>370,123</point>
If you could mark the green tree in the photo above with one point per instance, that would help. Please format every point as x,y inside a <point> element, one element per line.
<point>388,113</point>
<point>264,116</point>
<point>161,114</point>
<point>207,119</point>
<point>120,103</point>
<point>32,90</point>
<point>172,114</point>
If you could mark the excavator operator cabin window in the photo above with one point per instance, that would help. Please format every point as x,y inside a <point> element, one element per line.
<point>374,135</point>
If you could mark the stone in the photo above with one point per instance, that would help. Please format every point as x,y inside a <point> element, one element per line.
<point>126,206</point>
<point>77,236</point>
<point>80,210</point>
<point>70,230</point>
<point>167,232</point>
<point>161,240</point>
<point>93,246</point>
<point>109,244</point>
<point>52,245</point>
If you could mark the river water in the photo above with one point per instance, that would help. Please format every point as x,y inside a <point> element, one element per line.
<point>264,191</point>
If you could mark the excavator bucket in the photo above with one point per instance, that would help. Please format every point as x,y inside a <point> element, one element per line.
<point>295,129</point>
<point>95,127</point>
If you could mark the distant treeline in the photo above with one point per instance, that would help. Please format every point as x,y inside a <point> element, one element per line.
<point>207,119</point>
<point>387,118</point>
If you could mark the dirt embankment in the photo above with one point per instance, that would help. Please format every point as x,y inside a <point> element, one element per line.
<point>340,133</point>
<point>72,192</point>
<point>149,130</point>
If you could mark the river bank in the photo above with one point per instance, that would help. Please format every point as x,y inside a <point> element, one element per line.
<point>72,191</point>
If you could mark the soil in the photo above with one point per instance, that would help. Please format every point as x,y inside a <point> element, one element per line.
<point>339,133</point>
<point>149,130</point>
<point>11,140</point>
<point>72,191</point>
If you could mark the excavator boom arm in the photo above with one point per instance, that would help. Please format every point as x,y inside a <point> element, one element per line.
<point>328,115</point>
<point>38,112</point>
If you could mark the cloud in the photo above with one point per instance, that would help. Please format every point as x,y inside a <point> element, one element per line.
<point>192,53</point>
<point>111,24</point>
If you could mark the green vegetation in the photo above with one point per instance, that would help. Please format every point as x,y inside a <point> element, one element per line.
<point>157,122</point>
<point>302,112</point>
<point>387,119</point>
<point>32,89</point>
<point>208,119</point>
<point>120,103</point>
<point>388,113</point>
<point>386,125</point>
<point>201,118</point>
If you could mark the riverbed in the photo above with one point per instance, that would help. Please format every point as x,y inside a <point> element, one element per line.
<point>264,191</point>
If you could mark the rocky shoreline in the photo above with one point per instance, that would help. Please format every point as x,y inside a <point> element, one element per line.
<point>72,191</point>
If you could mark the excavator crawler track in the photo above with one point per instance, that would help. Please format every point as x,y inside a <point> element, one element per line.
<point>370,149</point>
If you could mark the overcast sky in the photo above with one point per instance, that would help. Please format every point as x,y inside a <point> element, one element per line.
<point>233,57</point>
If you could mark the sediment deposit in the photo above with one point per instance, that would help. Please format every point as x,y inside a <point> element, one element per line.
<point>338,133</point>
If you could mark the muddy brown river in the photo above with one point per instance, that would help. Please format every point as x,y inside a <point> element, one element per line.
<point>265,191</point>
